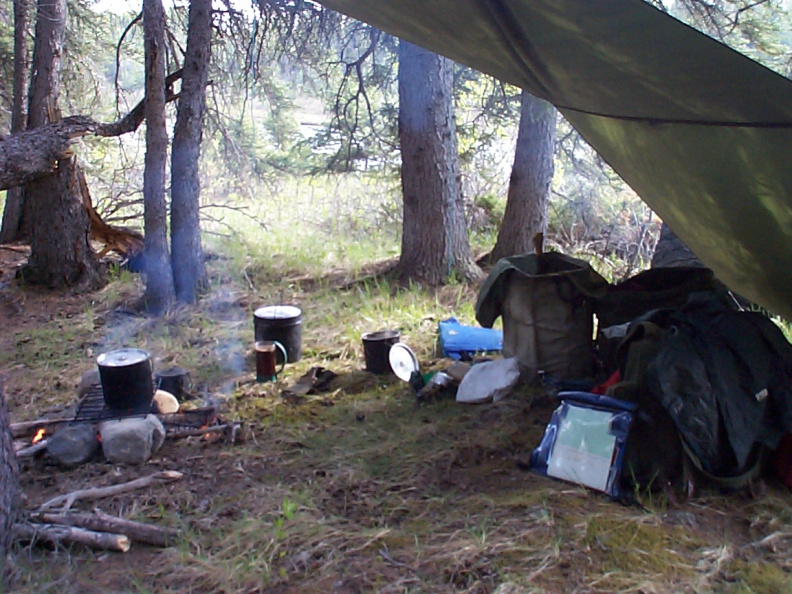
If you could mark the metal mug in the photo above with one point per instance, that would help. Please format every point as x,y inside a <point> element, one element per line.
<point>266,365</point>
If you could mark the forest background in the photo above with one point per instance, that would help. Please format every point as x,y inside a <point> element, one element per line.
<point>300,160</point>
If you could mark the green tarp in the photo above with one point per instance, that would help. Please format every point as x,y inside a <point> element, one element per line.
<point>702,133</point>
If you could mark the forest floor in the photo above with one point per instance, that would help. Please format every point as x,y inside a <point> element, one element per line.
<point>357,489</point>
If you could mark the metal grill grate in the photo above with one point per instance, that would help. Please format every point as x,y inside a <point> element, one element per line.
<point>92,408</point>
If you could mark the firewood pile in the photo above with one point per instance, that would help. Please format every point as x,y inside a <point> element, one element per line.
<point>55,523</point>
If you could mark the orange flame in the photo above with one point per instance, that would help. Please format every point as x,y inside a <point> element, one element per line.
<point>39,436</point>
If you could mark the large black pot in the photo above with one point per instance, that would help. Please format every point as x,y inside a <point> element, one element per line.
<point>126,379</point>
<point>281,323</point>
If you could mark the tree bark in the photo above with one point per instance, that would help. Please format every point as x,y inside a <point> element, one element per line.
<point>187,259</point>
<point>159,279</point>
<point>33,154</point>
<point>531,177</point>
<point>60,251</point>
<point>9,484</point>
<point>12,213</point>
<point>435,241</point>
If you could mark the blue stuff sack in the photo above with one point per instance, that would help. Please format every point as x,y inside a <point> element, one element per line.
<point>462,342</point>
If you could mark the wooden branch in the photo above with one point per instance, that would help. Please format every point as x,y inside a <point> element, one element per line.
<point>101,522</point>
<point>28,155</point>
<point>131,121</point>
<point>226,428</point>
<point>31,451</point>
<point>29,428</point>
<point>99,492</point>
<point>68,534</point>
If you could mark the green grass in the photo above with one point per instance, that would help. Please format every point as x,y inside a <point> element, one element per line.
<point>357,488</point>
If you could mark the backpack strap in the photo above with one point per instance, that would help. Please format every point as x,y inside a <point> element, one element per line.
<point>753,470</point>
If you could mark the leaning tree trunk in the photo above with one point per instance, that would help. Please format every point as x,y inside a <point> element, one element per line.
<point>159,279</point>
<point>189,270</point>
<point>12,213</point>
<point>434,230</point>
<point>60,253</point>
<point>531,177</point>
<point>8,482</point>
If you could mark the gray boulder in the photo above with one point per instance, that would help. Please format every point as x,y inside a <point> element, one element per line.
<point>133,440</point>
<point>73,445</point>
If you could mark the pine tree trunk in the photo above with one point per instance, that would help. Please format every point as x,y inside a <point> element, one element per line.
<point>12,213</point>
<point>159,279</point>
<point>435,241</point>
<point>8,482</point>
<point>531,178</point>
<point>60,254</point>
<point>189,270</point>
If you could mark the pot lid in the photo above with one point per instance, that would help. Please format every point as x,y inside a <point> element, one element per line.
<point>402,361</point>
<point>122,358</point>
<point>277,312</point>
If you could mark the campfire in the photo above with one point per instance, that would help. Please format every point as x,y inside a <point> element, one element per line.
<point>92,416</point>
<point>122,435</point>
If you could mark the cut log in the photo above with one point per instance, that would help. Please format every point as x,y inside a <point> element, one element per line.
<point>99,492</point>
<point>101,522</point>
<point>69,535</point>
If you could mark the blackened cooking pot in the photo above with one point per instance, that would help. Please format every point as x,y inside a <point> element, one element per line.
<point>126,379</point>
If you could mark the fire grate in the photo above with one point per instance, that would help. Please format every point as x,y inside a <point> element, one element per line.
<point>92,408</point>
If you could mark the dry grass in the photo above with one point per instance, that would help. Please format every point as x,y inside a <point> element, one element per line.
<point>357,489</point>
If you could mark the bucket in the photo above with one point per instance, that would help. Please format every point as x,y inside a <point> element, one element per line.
<point>376,347</point>
<point>281,323</point>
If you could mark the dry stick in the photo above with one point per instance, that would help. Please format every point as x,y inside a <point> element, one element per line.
<point>29,428</point>
<point>227,428</point>
<point>69,534</point>
<point>31,451</point>
<point>101,522</point>
<point>100,492</point>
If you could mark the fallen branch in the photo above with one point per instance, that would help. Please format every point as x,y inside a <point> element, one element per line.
<point>30,428</point>
<point>101,522</point>
<point>68,534</point>
<point>99,492</point>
